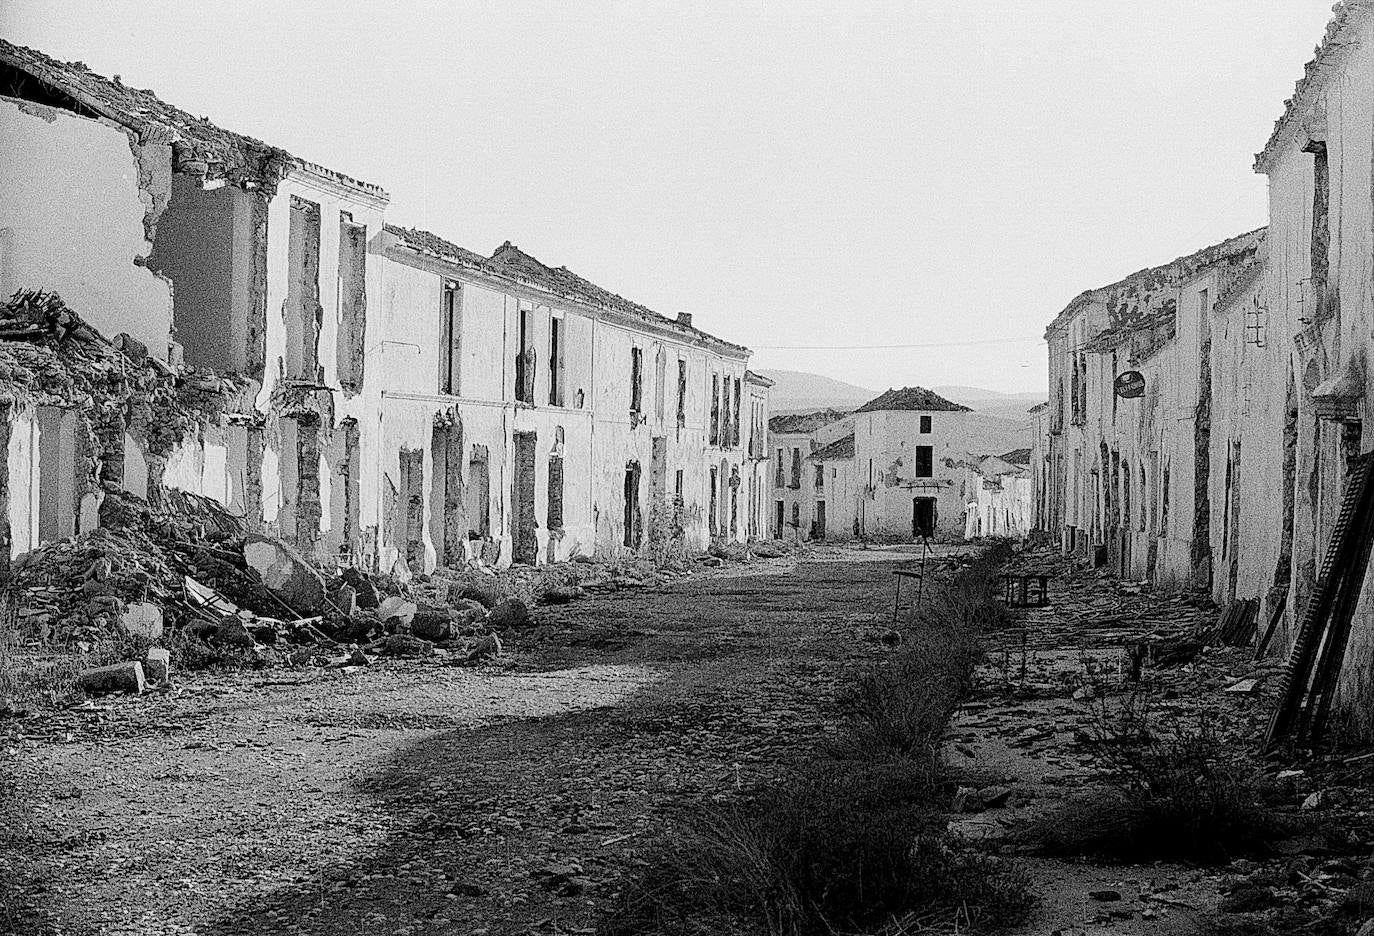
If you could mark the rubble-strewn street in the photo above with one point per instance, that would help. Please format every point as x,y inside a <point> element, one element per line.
<point>413,797</point>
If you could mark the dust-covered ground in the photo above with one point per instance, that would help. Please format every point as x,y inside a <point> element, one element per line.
<point>410,797</point>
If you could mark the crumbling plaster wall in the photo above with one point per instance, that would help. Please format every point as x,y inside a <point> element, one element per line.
<point>885,450</point>
<point>1325,347</point>
<point>72,219</point>
<point>619,439</point>
<point>323,401</point>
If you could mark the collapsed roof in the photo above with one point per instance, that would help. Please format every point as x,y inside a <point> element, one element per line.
<point>199,147</point>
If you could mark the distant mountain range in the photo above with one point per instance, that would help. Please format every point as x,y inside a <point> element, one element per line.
<point>802,392</point>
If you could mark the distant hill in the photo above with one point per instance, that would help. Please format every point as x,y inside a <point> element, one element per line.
<point>800,392</point>
<point>1011,406</point>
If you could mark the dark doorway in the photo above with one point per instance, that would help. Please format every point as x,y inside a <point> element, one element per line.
<point>922,517</point>
<point>781,519</point>
<point>633,517</point>
<point>525,547</point>
<point>818,531</point>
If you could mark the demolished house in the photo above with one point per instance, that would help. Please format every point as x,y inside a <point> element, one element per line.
<point>373,395</point>
<point>1241,467</point>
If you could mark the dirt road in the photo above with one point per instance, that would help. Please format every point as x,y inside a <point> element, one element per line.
<point>412,798</point>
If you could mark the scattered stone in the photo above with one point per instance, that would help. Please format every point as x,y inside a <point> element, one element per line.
<point>1105,896</point>
<point>508,614</point>
<point>395,608</point>
<point>345,598</point>
<point>142,619</point>
<point>1243,687</point>
<point>404,645</point>
<point>1314,801</point>
<point>1247,898</point>
<point>1085,694</point>
<point>234,633</point>
<point>994,797</point>
<point>120,677</point>
<point>286,573</point>
<point>965,800</point>
<point>488,645</point>
<point>561,595</point>
<point>158,666</point>
<point>431,624</point>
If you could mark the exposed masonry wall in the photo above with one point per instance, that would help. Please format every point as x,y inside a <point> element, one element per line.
<point>342,369</point>
<point>72,218</point>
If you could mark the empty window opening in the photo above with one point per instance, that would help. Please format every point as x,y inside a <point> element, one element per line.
<point>711,506</point>
<point>525,543</point>
<point>352,302</point>
<point>925,461</point>
<point>677,484</point>
<point>56,490</point>
<point>736,412</point>
<point>448,502</point>
<point>925,425</point>
<point>1321,223</point>
<point>413,507</point>
<point>820,477</point>
<point>205,242</point>
<point>350,473</point>
<point>715,410</point>
<point>660,383</point>
<point>794,481</point>
<point>726,488</point>
<point>734,501</point>
<point>633,518</point>
<point>636,381</point>
<point>554,520</point>
<point>796,516</point>
<point>525,358</point>
<point>479,492</point>
<point>681,393</point>
<point>556,362</point>
<point>450,337</point>
<point>304,312</point>
<point>779,476</point>
<point>308,506</point>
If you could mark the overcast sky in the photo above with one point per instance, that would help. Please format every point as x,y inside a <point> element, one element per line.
<point>795,174</point>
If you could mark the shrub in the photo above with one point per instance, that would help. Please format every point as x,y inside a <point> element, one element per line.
<point>1171,794</point>
<point>842,847</point>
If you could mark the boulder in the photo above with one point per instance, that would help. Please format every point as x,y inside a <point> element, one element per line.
<point>431,624</point>
<point>286,573</point>
<point>362,586</point>
<point>142,619</point>
<point>395,608</point>
<point>508,614</point>
<point>481,591</point>
<point>994,797</point>
<point>158,665</point>
<point>345,598</point>
<point>488,645</point>
<point>561,595</point>
<point>404,645</point>
<point>233,632</point>
<point>121,677</point>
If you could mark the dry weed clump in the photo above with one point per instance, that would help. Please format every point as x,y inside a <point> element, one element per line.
<point>1171,792</point>
<point>853,841</point>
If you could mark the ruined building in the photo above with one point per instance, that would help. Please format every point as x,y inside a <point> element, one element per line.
<point>1229,472</point>
<point>899,467</point>
<point>371,393</point>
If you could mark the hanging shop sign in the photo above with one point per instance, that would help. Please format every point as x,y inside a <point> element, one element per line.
<point>1130,384</point>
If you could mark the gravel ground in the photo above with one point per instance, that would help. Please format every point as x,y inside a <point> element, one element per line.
<point>412,798</point>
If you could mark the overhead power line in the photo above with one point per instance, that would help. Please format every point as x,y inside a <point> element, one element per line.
<point>895,347</point>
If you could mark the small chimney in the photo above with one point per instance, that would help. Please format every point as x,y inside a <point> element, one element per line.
<point>685,319</point>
